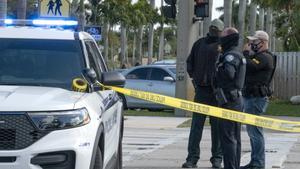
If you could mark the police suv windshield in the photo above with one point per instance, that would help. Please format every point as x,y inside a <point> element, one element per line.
<point>35,62</point>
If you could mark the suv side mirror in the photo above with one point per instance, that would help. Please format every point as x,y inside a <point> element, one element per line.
<point>169,79</point>
<point>90,75</point>
<point>113,79</point>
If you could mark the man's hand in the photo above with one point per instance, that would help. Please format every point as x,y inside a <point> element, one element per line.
<point>246,50</point>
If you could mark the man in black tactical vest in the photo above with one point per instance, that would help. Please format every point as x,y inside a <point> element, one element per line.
<point>260,70</point>
<point>229,81</point>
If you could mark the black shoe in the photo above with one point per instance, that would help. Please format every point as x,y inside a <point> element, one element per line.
<point>189,164</point>
<point>249,166</point>
<point>216,165</point>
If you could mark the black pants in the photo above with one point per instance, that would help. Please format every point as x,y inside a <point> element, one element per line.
<point>204,95</point>
<point>231,137</point>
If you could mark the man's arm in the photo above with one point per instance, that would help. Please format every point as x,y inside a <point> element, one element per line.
<point>256,63</point>
<point>189,62</point>
<point>230,66</point>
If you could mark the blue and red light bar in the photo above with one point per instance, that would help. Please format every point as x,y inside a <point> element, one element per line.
<point>41,22</point>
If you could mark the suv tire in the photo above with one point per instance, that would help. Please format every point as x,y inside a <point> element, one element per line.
<point>119,162</point>
<point>123,98</point>
<point>98,159</point>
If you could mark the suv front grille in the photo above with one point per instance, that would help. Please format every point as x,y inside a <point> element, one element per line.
<point>17,131</point>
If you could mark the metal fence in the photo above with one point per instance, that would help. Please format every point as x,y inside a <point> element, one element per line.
<point>286,81</point>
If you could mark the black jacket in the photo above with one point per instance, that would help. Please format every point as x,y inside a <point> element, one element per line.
<point>202,59</point>
<point>231,70</point>
<point>259,69</point>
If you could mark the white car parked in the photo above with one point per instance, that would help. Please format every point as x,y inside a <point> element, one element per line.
<point>44,123</point>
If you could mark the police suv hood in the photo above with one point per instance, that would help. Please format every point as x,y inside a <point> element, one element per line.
<point>25,98</point>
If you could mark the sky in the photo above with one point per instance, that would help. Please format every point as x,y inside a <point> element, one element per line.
<point>216,3</point>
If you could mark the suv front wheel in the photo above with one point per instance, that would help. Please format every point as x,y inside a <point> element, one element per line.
<point>98,159</point>
<point>119,163</point>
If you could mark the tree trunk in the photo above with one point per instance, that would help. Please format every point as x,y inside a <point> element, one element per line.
<point>207,21</point>
<point>269,26</point>
<point>241,19</point>
<point>161,37</point>
<point>3,11</point>
<point>140,45</point>
<point>112,52</point>
<point>227,13</point>
<point>21,11</point>
<point>95,10</point>
<point>161,43</point>
<point>106,40</point>
<point>274,39</point>
<point>261,18</point>
<point>253,14</point>
<point>150,43</point>
<point>123,45</point>
<point>74,8</point>
<point>81,22</point>
<point>133,49</point>
<point>126,48</point>
<point>151,36</point>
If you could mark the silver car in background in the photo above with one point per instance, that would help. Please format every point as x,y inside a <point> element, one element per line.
<point>158,79</point>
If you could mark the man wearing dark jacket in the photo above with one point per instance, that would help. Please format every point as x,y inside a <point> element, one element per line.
<point>201,68</point>
<point>260,69</point>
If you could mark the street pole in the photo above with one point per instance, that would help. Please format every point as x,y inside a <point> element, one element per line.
<point>187,35</point>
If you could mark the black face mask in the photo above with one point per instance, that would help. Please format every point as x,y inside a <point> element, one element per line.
<point>255,47</point>
<point>214,32</point>
<point>229,41</point>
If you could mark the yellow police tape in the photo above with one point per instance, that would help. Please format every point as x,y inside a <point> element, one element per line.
<point>271,123</point>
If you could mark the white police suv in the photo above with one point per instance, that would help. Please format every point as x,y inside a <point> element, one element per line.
<point>53,115</point>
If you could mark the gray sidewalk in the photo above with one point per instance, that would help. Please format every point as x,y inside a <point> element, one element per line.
<point>155,142</point>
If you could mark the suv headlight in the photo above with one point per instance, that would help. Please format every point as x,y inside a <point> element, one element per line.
<point>60,120</point>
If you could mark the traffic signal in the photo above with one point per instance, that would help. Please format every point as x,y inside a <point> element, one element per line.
<point>170,10</point>
<point>201,8</point>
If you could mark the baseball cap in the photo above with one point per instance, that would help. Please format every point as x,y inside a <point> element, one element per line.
<point>261,35</point>
<point>218,24</point>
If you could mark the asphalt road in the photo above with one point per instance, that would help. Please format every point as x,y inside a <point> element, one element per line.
<point>156,143</point>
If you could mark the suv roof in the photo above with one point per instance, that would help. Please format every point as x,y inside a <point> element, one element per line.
<point>41,33</point>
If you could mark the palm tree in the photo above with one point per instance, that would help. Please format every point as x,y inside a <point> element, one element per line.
<point>286,20</point>
<point>138,20</point>
<point>241,18</point>
<point>141,15</point>
<point>21,11</point>
<point>125,22</point>
<point>227,12</point>
<point>3,10</point>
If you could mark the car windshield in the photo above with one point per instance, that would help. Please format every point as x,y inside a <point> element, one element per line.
<point>36,62</point>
